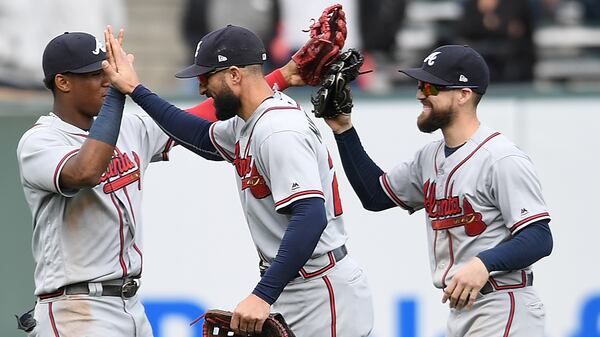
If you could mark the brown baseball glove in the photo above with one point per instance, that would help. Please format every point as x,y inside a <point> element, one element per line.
<point>217,322</point>
<point>327,38</point>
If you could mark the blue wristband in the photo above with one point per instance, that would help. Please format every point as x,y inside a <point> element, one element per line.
<point>108,123</point>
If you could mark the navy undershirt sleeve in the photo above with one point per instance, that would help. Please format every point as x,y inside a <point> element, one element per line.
<point>189,130</point>
<point>107,125</point>
<point>307,222</point>
<point>362,172</point>
<point>528,246</point>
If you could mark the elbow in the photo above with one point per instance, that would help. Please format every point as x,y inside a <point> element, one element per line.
<point>84,177</point>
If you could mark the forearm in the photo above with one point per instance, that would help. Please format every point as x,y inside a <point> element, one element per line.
<point>525,248</point>
<point>87,166</point>
<point>189,130</point>
<point>362,172</point>
<point>307,223</point>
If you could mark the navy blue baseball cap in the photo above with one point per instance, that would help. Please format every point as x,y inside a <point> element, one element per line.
<point>225,47</point>
<point>453,66</point>
<point>73,52</point>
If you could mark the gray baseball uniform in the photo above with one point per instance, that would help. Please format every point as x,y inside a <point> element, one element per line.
<point>279,158</point>
<point>474,200</point>
<point>91,235</point>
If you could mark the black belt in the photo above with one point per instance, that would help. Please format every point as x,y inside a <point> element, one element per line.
<point>338,254</point>
<point>489,287</point>
<point>125,288</point>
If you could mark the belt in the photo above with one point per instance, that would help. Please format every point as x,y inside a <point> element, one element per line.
<point>338,254</point>
<point>125,288</point>
<point>491,285</point>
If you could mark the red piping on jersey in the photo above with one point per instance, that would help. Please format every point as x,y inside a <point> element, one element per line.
<point>141,258</point>
<point>434,247</point>
<point>297,107</point>
<point>523,283</point>
<point>55,178</point>
<point>130,206</point>
<point>306,274</point>
<point>217,146</point>
<point>121,238</point>
<point>393,195</point>
<point>297,195</point>
<point>467,158</point>
<point>511,314</point>
<point>52,322</point>
<point>529,219</point>
<point>435,166</point>
<point>332,306</point>
<point>451,263</point>
<point>168,146</point>
<point>57,293</point>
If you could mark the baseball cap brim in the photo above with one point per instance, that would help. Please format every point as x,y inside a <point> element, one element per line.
<point>193,71</point>
<point>87,69</point>
<point>422,75</point>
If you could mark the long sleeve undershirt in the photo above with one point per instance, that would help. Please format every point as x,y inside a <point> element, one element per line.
<point>527,246</point>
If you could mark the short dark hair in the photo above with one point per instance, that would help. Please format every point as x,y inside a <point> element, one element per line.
<point>476,98</point>
<point>49,82</point>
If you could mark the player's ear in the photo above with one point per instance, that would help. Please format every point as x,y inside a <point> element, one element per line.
<point>465,96</point>
<point>62,83</point>
<point>235,75</point>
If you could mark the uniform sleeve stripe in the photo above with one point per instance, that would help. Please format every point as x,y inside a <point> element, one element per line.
<point>168,147</point>
<point>59,168</point>
<point>217,146</point>
<point>388,190</point>
<point>305,194</point>
<point>530,219</point>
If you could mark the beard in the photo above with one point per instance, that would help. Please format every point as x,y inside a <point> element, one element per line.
<point>437,119</point>
<point>227,105</point>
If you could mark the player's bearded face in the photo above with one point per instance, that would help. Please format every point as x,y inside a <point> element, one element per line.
<point>227,105</point>
<point>435,116</point>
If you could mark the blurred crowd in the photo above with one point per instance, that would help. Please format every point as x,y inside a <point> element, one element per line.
<point>501,30</point>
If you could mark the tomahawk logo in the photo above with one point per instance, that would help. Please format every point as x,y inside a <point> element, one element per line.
<point>430,60</point>
<point>99,47</point>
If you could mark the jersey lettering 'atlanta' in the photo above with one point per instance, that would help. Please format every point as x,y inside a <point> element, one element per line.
<point>92,234</point>
<point>474,199</point>
<point>279,158</point>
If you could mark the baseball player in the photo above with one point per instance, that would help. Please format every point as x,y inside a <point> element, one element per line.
<point>487,222</point>
<point>83,180</point>
<point>287,185</point>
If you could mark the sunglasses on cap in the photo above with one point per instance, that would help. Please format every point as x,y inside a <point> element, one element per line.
<point>429,89</point>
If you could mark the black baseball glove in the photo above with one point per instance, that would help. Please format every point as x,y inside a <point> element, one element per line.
<point>334,96</point>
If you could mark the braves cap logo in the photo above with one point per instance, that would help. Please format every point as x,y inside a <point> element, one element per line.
<point>99,47</point>
<point>197,48</point>
<point>430,60</point>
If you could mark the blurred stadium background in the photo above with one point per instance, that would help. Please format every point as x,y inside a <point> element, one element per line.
<point>545,95</point>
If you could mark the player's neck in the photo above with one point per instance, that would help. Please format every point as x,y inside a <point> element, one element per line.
<point>254,95</point>
<point>461,129</point>
<point>69,114</point>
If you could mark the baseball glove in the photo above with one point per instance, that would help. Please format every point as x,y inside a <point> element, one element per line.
<point>327,38</point>
<point>217,322</point>
<point>334,96</point>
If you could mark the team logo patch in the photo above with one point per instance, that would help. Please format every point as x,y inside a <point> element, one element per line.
<point>121,172</point>
<point>99,47</point>
<point>251,178</point>
<point>463,78</point>
<point>295,186</point>
<point>524,211</point>
<point>447,213</point>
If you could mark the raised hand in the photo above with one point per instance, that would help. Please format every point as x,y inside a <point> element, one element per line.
<point>118,65</point>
